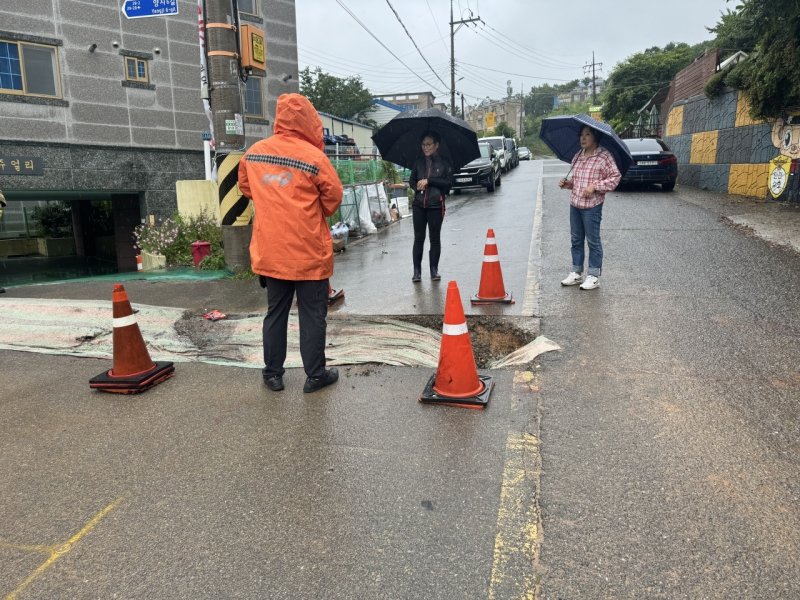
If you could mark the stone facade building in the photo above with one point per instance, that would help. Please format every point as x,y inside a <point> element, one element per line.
<point>100,107</point>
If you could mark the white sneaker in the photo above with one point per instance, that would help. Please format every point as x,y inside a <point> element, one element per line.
<point>591,283</point>
<point>572,279</point>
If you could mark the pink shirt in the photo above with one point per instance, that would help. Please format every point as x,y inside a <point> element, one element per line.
<point>598,169</point>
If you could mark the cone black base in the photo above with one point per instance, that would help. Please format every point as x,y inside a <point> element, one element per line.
<point>429,396</point>
<point>507,299</point>
<point>133,384</point>
<point>335,296</point>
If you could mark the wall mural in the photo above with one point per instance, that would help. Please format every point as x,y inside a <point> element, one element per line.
<point>784,179</point>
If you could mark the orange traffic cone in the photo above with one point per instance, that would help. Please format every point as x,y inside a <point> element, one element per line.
<point>334,295</point>
<point>132,371</point>
<point>138,262</point>
<point>456,381</point>
<point>491,289</point>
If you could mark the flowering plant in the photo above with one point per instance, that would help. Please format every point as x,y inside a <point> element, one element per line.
<point>158,238</point>
<point>173,238</point>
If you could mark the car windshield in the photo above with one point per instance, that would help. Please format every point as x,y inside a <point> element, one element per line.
<point>486,150</point>
<point>497,143</point>
<point>645,145</point>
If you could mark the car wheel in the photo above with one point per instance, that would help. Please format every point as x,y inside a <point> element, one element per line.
<point>668,187</point>
<point>457,192</point>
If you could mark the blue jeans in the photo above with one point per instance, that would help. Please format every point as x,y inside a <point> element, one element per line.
<point>584,224</point>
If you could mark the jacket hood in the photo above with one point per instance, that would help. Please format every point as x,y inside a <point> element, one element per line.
<point>295,116</point>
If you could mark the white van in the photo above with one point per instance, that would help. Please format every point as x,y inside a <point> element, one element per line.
<point>499,145</point>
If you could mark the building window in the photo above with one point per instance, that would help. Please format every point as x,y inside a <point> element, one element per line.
<point>253,97</point>
<point>136,70</point>
<point>29,69</point>
<point>249,7</point>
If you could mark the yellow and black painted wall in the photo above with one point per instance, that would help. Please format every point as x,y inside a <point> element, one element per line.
<point>720,148</point>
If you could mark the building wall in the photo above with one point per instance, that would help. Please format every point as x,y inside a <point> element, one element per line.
<point>362,134</point>
<point>382,114</point>
<point>504,110</point>
<point>720,148</point>
<point>420,100</point>
<point>105,133</point>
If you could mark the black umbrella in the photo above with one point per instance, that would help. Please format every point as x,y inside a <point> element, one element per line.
<point>562,135</point>
<point>399,140</point>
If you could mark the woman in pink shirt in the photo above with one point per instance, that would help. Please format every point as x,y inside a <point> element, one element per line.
<point>594,174</point>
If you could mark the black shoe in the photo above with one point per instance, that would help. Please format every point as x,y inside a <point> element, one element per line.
<point>317,383</point>
<point>417,276</point>
<point>435,275</point>
<point>275,383</point>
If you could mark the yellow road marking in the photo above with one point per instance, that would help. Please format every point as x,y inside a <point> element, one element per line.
<point>516,547</point>
<point>58,550</point>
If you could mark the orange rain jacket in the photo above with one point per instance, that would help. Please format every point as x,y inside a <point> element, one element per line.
<point>294,187</point>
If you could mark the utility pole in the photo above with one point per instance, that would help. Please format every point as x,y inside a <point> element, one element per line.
<point>585,70</point>
<point>223,71</point>
<point>453,54</point>
<point>227,116</point>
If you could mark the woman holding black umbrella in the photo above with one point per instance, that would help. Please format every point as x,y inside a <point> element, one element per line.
<point>431,178</point>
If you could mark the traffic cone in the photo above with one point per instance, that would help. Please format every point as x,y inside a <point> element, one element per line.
<point>334,295</point>
<point>132,371</point>
<point>456,381</point>
<point>138,262</point>
<point>491,290</point>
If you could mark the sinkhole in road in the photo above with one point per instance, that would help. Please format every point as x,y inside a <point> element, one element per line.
<point>492,337</point>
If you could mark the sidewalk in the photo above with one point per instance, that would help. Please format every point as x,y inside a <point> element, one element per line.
<point>775,222</point>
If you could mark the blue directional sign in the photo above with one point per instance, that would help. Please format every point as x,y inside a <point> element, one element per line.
<point>137,9</point>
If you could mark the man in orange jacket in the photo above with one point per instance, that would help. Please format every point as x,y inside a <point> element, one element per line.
<point>294,187</point>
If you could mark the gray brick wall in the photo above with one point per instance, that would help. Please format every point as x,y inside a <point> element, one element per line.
<point>97,110</point>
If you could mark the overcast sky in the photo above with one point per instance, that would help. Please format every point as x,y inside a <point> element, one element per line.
<point>529,42</point>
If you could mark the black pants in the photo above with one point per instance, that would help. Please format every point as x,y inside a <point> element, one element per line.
<point>430,218</point>
<point>312,307</point>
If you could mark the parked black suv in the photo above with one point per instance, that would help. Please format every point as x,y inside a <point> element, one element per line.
<point>481,172</point>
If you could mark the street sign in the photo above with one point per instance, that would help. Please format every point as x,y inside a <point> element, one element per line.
<point>137,9</point>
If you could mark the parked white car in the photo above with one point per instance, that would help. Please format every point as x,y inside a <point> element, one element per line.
<point>499,144</point>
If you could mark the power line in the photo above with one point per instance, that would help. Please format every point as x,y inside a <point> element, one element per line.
<point>436,23</point>
<point>517,74</point>
<point>415,43</point>
<point>385,47</point>
<point>531,51</point>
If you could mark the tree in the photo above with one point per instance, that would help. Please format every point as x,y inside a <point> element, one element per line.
<point>634,81</point>
<point>769,75</point>
<point>734,31</point>
<point>504,129</point>
<point>539,101</point>
<point>344,98</point>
